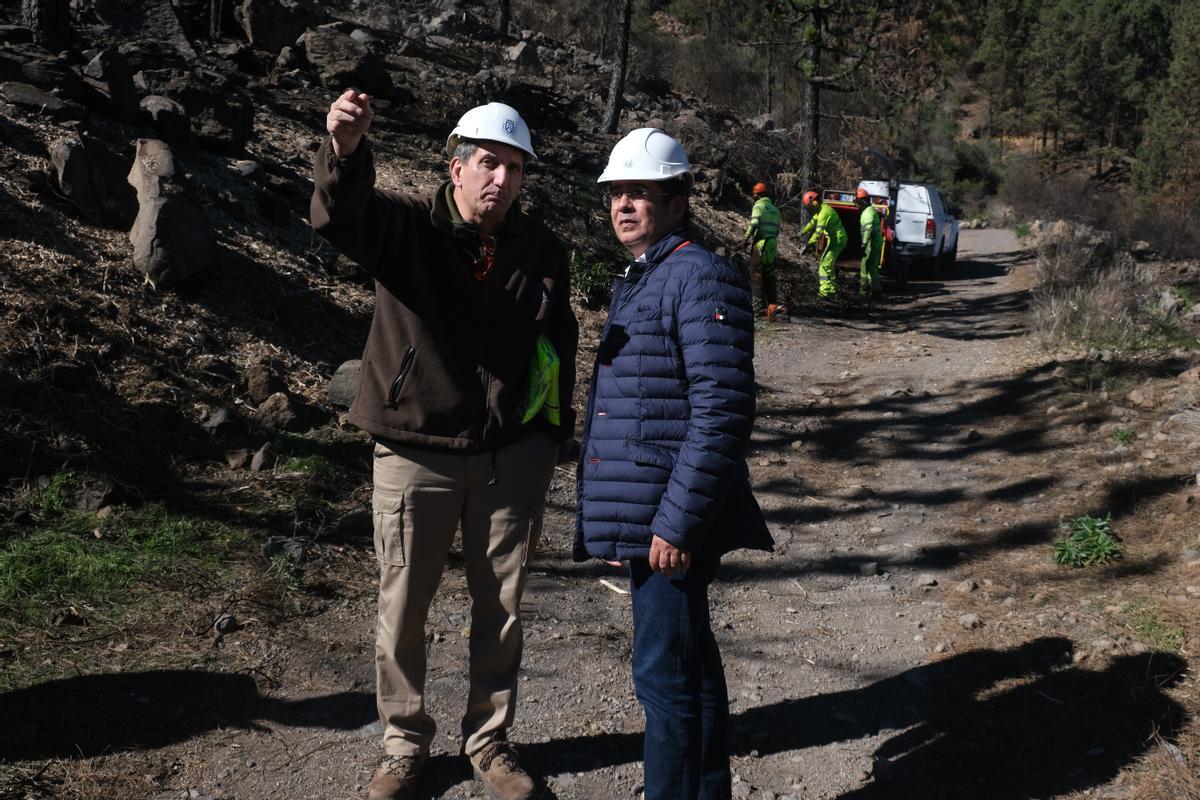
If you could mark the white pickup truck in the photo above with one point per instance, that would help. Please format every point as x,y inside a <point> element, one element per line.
<point>925,225</point>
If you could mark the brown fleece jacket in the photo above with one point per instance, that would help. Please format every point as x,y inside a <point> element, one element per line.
<point>446,363</point>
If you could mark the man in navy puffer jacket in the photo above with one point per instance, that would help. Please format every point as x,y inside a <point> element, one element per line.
<point>662,480</point>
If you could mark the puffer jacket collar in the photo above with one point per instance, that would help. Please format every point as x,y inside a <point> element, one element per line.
<point>659,252</point>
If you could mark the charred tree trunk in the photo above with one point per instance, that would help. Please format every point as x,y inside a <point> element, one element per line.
<point>502,20</point>
<point>616,89</point>
<point>811,138</point>
<point>215,9</point>
<point>50,21</point>
<point>770,80</point>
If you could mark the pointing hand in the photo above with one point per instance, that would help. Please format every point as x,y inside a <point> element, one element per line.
<point>349,117</point>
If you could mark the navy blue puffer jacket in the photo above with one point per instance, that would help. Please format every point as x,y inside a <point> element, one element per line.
<point>670,411</point>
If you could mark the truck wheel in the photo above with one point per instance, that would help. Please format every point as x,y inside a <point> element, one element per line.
<point>903,270</point>
<point>949,258</point>
<point>934,267</point>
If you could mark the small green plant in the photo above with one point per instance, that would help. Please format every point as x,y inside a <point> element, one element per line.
<point>1185,297</point>
<point>315,465</point>
<point>1122,436</point>
<point>286,569</point>
<point>1088,540</point>
<point>54,498</point>
<point>1020,230</point>
<point>1143,618</point>
<point>592,277</point>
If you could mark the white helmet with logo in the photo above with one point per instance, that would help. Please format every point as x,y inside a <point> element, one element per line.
<point>647,154</point>
<point>495,122</point>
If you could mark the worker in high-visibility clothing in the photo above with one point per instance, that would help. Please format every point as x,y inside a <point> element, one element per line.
<point>829,237</point>
<point>761,238</point>
<point>871,226</point>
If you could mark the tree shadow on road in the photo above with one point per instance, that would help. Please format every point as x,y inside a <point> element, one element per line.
<point>1002,724</point>
<point>1005,724</point>
<point>1060,732</point>
<point>91,715</point>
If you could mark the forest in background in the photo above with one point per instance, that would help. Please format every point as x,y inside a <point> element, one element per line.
<point>987,98</point>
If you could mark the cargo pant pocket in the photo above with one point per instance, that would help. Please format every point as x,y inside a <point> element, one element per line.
<point>389,536</point>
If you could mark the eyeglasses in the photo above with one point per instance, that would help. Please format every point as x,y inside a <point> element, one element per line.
<point>636,194</point>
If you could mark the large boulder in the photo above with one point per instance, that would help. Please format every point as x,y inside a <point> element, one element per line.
<point>94,178</point>
<point>169,120</point>
<point>341,61</point>
<point>222,124</point>
<point>523,55</point>
<point>31,65</point>
<point>37,101</point>
<point>110,78</point>
<point>221,114</point>
<point>344,385</point>
<point>151,20</point>
<point>172,237</point>
<point>272,25</point>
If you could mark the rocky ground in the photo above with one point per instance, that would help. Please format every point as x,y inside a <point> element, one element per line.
<point>910,636</point>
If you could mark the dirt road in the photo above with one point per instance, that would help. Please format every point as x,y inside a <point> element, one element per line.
<point>894,453</point>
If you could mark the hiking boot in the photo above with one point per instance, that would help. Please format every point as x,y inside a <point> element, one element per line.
<point>396,778</point>
<point>497,769</point>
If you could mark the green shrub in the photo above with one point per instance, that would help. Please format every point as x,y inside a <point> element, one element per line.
<point>1088,540</point>
<point>592,277</point>
<point>1122,436</point>
<point>54,498</point>
<point>315,465</point>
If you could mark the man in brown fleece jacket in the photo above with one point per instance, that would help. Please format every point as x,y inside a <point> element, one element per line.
<point>464,285</point>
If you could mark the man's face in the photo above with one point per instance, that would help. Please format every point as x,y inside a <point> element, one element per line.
<point>487,183</point>
<point>641,214</point>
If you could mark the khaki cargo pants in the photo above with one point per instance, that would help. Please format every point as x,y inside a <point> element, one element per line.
<point>420,499</point>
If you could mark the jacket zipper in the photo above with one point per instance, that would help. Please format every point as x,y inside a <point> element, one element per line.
<point>398,383</point>
<point>487,386</point>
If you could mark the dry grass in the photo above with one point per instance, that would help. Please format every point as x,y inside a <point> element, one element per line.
<point>1168,770</point>
<point>1166,223</point>
<point>1089,295</point>
<point>123,777</point>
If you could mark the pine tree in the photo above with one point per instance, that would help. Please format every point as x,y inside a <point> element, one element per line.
<point>1170,154</point>
<point>502,18</point>
<point>50,21</point>
<point>616,89</point>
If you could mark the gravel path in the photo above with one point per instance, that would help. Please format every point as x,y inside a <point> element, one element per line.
<point>878,438</point>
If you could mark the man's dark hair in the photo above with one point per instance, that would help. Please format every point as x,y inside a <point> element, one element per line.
<point>467,147</point>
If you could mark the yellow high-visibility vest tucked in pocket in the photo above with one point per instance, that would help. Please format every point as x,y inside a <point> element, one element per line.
<point>543,383</point>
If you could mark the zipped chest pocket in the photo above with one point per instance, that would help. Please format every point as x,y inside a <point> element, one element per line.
<point>406,365</point>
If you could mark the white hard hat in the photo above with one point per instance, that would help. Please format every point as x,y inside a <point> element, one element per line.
<point>647,154</point>
<point>495,122</point>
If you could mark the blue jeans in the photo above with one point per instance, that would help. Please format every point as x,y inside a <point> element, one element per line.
<point>680,683</point>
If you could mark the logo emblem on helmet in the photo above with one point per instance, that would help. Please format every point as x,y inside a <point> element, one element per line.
<point>509,127</point>
<point>628,163</point>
